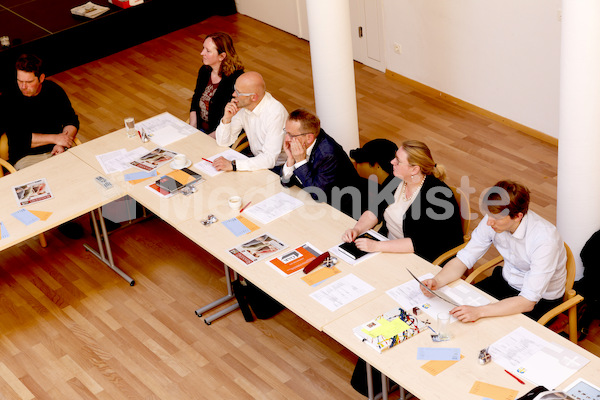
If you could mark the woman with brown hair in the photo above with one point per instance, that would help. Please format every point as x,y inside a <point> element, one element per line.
<point>216,78</point>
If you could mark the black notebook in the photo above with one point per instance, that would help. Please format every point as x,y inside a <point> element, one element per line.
<point>354,252</point>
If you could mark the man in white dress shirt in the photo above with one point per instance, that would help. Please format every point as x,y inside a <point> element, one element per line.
<point>262,117</point>
<point>532,280</point>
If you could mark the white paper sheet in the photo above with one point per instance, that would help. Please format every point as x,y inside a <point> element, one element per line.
<point>118,160</point>
<point>342,292</point>
<point>409,295</point>
<point>273,207</point>
<point>528,356</point>
<point>165,129</point>
<point>206,168</point>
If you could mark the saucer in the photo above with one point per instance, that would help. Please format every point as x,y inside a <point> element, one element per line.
<point>187,164</point>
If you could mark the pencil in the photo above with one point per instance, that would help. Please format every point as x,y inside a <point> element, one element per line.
<point>247,204</point>
<point>518,380</point>
<point>207,160</point>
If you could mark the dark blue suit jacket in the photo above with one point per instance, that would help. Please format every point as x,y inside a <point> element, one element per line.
<point>328,167</point>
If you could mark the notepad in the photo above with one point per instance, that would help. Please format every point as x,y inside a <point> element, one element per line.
<point>25,216</point>
<point>438,353</point>
<point>236,226</point>
<point>139,176</point>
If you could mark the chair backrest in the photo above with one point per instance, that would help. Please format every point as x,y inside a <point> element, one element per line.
<point>465,211</point>
<point>571,270</point>
<point>4,147</point>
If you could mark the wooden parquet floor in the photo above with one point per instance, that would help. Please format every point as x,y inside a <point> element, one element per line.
<point>72,329</point>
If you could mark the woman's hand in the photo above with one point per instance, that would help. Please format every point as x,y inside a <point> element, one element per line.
<point>368,245</point>
<point>350,235</point>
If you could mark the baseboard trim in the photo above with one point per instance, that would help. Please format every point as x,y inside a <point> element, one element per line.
<point>471,107</point>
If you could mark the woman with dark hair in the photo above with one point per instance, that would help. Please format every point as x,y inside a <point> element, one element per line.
<point>216,78</point>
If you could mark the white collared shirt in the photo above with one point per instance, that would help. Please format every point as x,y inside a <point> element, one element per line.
<point>288,171</point>
<point>534,256</point>
<point>264,129</point>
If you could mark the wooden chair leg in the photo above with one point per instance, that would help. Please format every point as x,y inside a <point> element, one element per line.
<point>43,242</point>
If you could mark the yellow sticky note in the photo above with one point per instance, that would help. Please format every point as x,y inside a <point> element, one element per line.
<point>320,275</point>
<point>492,391</point>
<point>387,329</point>
<point>249,224</point>
<point>42,215</point>
<point>434,367</point>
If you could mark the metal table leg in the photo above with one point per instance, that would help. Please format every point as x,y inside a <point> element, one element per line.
<point>230,295</point>
<point>100,254</point>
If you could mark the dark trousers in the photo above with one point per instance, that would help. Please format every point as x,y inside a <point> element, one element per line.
<point>496,286</point>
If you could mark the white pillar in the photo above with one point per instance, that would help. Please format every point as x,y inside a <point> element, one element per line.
<point>333,69</point>
<point>578,200</point>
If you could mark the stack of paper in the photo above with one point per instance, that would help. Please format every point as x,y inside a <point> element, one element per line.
<point>89,10</point>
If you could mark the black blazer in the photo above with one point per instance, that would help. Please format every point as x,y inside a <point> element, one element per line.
<point>216,106</point>
<point>431,235</point>
<point>328,166</point>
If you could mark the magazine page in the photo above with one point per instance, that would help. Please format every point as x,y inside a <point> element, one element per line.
<point>32,192</point>
<point>294,260</point>
<point>154,159</point>
<point>257,249</point>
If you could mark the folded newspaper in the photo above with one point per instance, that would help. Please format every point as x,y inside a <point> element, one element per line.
<point>89,10</point>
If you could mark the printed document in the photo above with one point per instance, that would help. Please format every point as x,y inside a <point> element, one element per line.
<point>528,356</point>
<point>165,129</point>
<point>274,207</point>
<point>341,292</point>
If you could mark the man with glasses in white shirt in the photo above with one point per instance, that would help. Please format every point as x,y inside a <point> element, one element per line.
<point>255,111</point>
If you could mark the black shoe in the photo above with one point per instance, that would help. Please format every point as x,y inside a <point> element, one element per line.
<point>71,229</point>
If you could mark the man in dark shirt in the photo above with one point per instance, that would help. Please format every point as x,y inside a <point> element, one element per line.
<point>40,121</point>
<point>318,164</point>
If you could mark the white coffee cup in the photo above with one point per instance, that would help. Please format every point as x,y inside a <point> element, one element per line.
<point>235,202</point>
<point>179,161</point>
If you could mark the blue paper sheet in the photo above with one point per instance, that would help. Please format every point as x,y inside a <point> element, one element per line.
<point>139,175</point>
<point>438,353</point>
<point>25,216</point>
<point>3,231</point>
<point>236,226</point>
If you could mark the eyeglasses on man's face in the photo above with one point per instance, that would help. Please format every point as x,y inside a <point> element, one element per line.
<point>294,136</point>
<point>238,93</point>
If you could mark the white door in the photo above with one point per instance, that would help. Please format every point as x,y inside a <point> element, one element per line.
<point>366,19</point>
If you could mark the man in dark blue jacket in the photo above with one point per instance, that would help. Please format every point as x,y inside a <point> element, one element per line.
<point>318,164</point>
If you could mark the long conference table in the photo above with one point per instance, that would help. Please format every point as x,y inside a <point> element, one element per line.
<point>71,178</point>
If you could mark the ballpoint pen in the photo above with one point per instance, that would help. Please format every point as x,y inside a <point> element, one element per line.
<point>518,380</point>
<point>207,160</point>
<point>247,204</point>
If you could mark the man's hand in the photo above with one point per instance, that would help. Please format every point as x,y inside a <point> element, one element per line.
<point>222,164</point>
<point>431,284</point>
<point>231,109</point>
<point>64,140</point>
<point>466,313</point>
<point>57,150</point>
<point>297,150</point>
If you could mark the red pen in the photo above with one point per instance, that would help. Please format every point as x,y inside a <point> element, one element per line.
<point>207,160</point>
<point>247,204</point>
<point>518,380</point>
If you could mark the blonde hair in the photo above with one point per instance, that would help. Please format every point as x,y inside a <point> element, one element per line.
<point>417,153</point>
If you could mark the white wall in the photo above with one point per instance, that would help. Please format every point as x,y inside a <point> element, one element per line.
<point>287,15</point>
<point>500,55</point>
